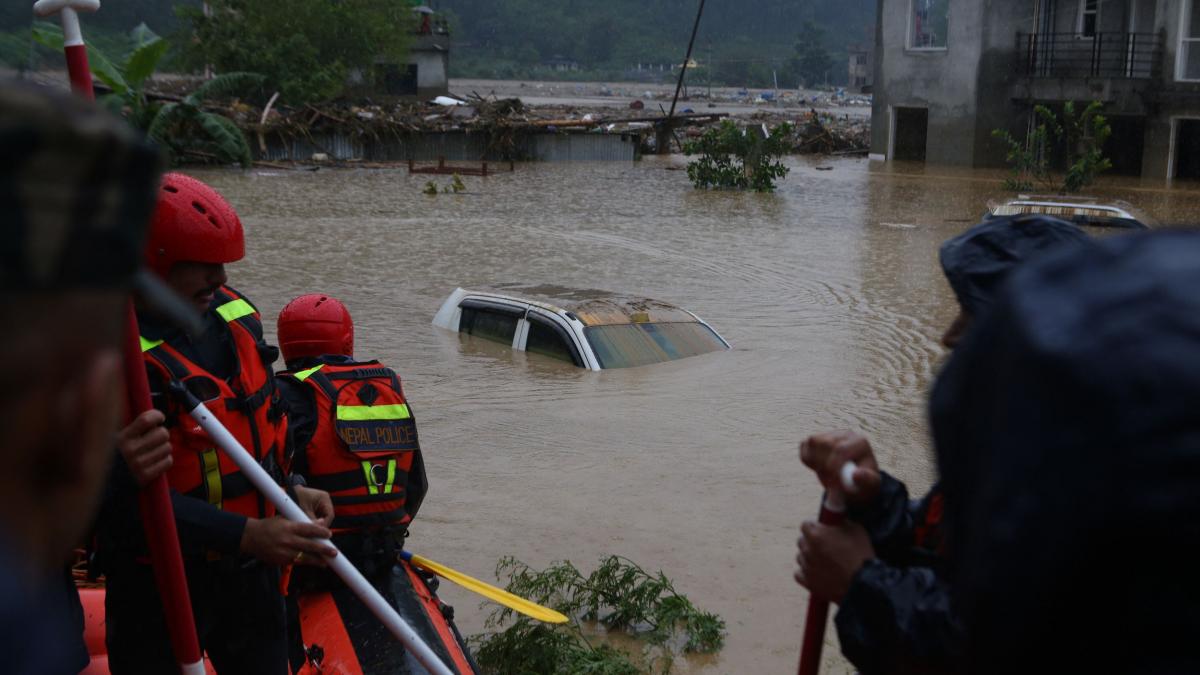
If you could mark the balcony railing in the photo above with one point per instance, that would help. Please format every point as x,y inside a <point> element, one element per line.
<point>1115,55</point>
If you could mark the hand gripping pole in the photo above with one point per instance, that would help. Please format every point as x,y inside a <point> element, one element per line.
<point>340,565</point>
<point>833,512</point>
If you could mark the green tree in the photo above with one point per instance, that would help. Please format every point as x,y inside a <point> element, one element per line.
<point>811,61</point>
<point>738,159</point>
<point>180,127</point>
<point>1081,137</point>
<point>306,48</point>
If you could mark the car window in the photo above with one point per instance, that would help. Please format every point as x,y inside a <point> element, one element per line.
<point>545,340</point>
<point>488,324</point>
<point>638,344</point>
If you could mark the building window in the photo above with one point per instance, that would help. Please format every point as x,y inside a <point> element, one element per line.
<point>1188,66</point>
<point>1089,18</point>
<point>929,24</point>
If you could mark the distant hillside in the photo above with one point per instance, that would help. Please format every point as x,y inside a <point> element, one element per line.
<point>747,39</point>
<point>746,42</point>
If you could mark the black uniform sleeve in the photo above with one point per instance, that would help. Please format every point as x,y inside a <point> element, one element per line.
<point>889,520</point>
<point>895,620</point>
<point>301,409</point>
<point>200,523</point>
<point>204,524</point>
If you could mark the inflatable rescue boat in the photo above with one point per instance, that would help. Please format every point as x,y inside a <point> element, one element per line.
<point>340,636</point>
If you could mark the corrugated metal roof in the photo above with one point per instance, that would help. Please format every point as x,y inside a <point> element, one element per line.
<point>455,146</point>
<point>583,147</point>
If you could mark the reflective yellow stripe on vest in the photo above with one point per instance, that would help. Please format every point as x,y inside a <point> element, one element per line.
<point>235,309</point>
<point>147,345</point>
<point>307,373</point>
<point>362,413</point>
<point>212,476</point>
<point>387,489</point>
<point>369,475</point>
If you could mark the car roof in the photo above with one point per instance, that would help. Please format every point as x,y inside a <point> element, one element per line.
<point>1065,205</point>
<point>592,307</point>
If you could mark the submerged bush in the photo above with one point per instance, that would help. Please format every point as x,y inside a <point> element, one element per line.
<point>738,159</point>
<point>619,596</point>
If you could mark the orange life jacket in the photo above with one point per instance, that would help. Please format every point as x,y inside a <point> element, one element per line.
<point>249,406</point>
<point>364,443</point>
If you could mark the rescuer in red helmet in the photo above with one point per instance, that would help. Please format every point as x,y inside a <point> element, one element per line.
<point>233,543</point>
<point>354,433</point>
<point>355,437</point>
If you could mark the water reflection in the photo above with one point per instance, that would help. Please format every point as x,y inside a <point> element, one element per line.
<point>829,292</point>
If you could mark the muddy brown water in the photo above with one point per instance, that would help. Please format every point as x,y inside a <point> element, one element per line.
<point>829,291</point>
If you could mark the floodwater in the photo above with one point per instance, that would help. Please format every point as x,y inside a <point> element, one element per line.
<point>829,291</point>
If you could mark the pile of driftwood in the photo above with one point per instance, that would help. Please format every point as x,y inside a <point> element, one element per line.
<point>829,135</point>
<point>504,120</point>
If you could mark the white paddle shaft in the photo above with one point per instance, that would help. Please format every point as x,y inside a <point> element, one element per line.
<point>354,579</point>
<point>835,500</point>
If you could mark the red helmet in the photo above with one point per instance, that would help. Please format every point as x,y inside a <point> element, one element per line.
<point>192,222</point>
<point>313,325</point>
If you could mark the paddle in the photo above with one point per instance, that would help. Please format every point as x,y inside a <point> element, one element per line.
<point>154,500</point>
<point>513,602</point>
<point>833,512</point>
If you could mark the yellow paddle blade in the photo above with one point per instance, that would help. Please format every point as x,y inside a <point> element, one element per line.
<point>517,603</point>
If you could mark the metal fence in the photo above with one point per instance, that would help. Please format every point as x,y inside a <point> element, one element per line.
<point>1115,55</point>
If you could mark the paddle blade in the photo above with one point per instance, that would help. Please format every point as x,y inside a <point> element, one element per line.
<point>513,602</point>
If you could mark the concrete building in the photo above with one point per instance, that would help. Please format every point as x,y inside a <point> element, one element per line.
<point>948,73</point>
<point>860,68</point>
<point>426,72</point>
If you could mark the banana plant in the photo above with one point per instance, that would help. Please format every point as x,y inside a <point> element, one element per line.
<point>179,127</point>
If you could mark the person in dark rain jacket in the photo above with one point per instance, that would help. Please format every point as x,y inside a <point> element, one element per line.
<point>1067,430</point>
<point>76,193</point>
<point>886,567</point>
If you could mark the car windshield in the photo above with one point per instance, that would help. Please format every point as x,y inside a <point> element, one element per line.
<point>639,344</point>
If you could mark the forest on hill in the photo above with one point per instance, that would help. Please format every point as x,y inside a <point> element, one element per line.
<point>746,42</point>
<point>740,42</point>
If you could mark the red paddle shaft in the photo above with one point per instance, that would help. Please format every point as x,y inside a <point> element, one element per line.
<point>158,520</point>
<point>833,512</point>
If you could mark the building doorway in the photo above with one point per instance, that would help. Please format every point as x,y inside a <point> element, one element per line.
<point>1187,149</point>
<point>1124,147</point>
<point>911,134</point>
<point>398,79</point>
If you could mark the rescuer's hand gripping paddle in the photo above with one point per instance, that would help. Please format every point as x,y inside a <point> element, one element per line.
<point>833,512</point>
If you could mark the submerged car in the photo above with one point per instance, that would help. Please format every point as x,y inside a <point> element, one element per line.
<point>1077,210</point>
<point>591,329</point>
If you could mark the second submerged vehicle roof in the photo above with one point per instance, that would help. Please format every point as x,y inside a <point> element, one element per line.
<point>1080,210</point>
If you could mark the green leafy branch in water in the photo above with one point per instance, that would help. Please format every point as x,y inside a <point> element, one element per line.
<point>619,595</point>
<point>1081,135</point>
<point>732,158</point>
<point>456,186</point>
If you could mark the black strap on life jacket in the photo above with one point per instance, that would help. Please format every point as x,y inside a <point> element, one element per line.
<point>349,480</point>
<point>369,520</point>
